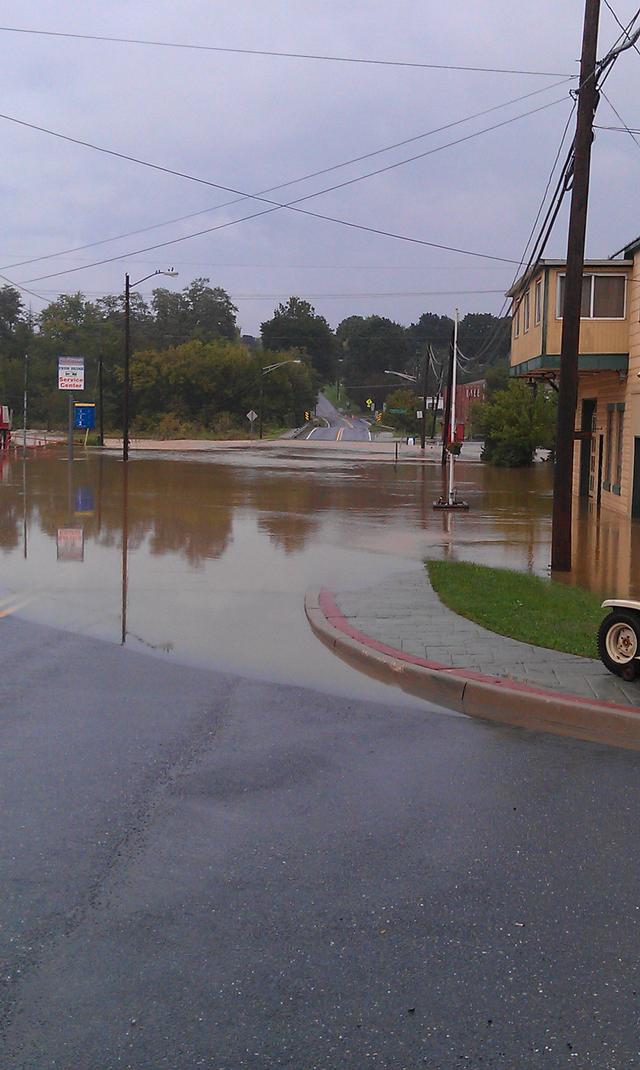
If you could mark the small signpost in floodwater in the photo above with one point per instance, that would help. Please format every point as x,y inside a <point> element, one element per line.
<point>70,377</point>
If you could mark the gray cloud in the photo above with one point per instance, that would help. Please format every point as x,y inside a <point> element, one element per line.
<point>252,122</point>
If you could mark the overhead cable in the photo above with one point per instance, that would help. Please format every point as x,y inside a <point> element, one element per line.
<point>277,54</point>
<point>292,206</point>
<point>293,181</point>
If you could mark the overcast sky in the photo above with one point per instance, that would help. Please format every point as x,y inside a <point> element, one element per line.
<point>252,122</point>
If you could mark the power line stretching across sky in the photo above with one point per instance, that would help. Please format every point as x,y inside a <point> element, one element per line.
<point>292,206</point>
<point>289,182</point>
<point>279,55</point>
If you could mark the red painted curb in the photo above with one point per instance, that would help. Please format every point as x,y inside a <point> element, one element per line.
<point>490,698</point>
<point>337,620</point>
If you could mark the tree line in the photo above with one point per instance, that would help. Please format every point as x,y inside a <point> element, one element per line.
<point>192,371</point>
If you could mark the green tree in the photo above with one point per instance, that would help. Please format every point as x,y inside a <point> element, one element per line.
<point>516,421</point>
<point>497,378</point>
<point>210,386</point>
<point>371,345</point>
<point>200,312</point>
<point>210,312</point>
<point>11,313</point>
<point>295,325</point>
<point>406,420</point>
<point>431,329</point>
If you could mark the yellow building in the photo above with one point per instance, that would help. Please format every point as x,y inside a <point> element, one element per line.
<point>607,454</point>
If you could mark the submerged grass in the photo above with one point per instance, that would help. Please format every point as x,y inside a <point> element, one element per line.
<point>519,605</point>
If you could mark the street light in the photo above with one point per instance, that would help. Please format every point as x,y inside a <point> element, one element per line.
<point>414,379</point>
<point>403,375</point>
<point>265,371</point>
<point>172,273</point>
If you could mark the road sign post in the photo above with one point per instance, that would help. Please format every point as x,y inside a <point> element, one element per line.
<point>252,417</point>
<point>70,377</point>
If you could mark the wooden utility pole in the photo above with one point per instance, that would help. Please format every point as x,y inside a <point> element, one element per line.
<point>568,389</point>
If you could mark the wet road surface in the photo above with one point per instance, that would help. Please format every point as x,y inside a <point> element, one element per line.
<point>241,852</point>
<point>203,870</point>
<point>340,428</point>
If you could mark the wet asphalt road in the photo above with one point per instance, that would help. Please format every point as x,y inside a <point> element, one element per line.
<point>204,870</point>
<point>339,428</point>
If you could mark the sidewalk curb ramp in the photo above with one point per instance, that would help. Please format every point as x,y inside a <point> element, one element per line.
<point>475,694</point>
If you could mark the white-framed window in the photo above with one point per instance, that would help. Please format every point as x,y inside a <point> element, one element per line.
<point>516,321</point>
<point>603,297</point>
<point>526,311</point>
<point>537,313</point>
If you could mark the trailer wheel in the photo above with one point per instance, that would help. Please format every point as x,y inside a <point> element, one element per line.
<point>619,643</point>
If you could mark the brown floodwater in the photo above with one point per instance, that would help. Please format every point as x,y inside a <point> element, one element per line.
<point>206,557</point>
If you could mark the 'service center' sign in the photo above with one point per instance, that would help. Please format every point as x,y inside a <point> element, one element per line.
<point>70,373</point>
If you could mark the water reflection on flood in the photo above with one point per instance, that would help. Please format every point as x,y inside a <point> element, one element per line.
<point>218,549</point>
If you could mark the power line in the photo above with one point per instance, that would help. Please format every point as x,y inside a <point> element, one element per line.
<point>547,225</point>
<point>268,211</point>
<point>23,289</point>
<point>625,127</point>
<point>277,54</point>
<point>623,28</point>
<point>602,70</point>
<point>538,247</point>
<point>290,206</point>
<point>316,296</point>
<point>294,181</point>
<point>618,129</point>
<point>208,264</point>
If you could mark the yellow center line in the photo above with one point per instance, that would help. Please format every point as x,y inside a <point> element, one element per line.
<point>20,604</point>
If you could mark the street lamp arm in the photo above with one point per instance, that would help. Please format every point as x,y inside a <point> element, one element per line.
<point>170,272</point>
<point>402,375</point>
<point>272,367</point>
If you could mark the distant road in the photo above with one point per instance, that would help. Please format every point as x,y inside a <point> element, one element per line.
<point>340,428</point>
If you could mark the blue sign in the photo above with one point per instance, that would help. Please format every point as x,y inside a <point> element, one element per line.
<point>84,417</point>
<point>84,500</point>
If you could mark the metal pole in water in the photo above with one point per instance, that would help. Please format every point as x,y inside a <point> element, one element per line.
<point>452,419</point>
<point>70,430</point>
<point>24,404</point>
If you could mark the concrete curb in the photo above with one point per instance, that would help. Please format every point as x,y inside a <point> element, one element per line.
<point>490,698</point>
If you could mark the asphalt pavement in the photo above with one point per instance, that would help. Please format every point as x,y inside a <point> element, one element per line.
<point>338,428</point>
<point>204,870</point>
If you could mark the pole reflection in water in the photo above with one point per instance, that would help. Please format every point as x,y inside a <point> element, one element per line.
<point>24,506</point>
<point>125,549</point>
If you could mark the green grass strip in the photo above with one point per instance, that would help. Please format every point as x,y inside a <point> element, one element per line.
<point>521,606</point>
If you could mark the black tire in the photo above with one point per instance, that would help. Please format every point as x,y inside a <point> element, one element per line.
<point>619,643</point>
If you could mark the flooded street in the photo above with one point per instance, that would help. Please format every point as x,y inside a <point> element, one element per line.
<point>206,558</point>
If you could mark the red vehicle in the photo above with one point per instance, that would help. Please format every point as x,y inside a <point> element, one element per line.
<point>5,427</point>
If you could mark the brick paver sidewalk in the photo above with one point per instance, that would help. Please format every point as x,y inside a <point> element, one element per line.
<point>405,612</point>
